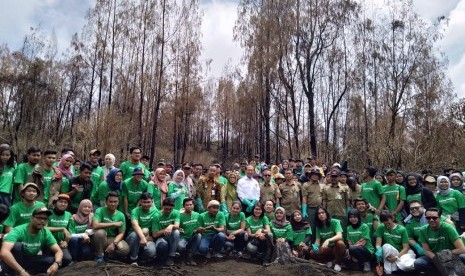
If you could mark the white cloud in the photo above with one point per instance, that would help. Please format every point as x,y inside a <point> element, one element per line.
<point>217,29</point>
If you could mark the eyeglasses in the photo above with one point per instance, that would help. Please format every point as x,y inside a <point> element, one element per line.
<point>416,208</point>
<point>432,218</point>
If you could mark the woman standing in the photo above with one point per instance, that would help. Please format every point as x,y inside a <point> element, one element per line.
<point>229,193</point>
<point>7,169</point>
<point>177,189</point>
<point>415,191</point>
<point>329,246</point>
<point>109,164</point>
<point>158,187</point>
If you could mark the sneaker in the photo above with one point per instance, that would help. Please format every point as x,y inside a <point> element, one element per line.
<point>169,261</point>
<point>366,267</point>
<point>218,256</point>
<point>239,254</point>
<point>329,264</point>
<point>209,255</point>
<point>134,263</point>
<point>100,260</point>
<point>337,268</point>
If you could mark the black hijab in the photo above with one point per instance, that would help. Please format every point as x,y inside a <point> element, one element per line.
<point>354,212</point>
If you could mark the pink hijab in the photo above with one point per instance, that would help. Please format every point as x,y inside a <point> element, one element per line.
<point>80,218</point>
<point>61,166</point>
<point>161,184</point>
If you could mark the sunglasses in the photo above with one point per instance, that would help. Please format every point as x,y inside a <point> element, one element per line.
<point>267,175</point>
<point>415,208</point>
<point>432,218</point>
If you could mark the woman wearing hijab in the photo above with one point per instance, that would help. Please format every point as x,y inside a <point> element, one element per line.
<point>229,193</point>
<point>451,202</point>
<point>301,234</point>
<point>456,182</point>
<point>80,228</point>
<point>177,189</point>
<point>65,166</point>
<point>358,238</point>
<point>274,171</point>
<point>280,227</point>
<point>113,183</point>
<point>158,187</point>
<point>109,164</point>
<point>414,190</point>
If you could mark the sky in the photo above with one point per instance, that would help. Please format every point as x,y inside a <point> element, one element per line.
<point>66,17</point>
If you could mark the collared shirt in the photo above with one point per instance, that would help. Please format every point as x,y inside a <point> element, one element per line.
<point>248,188</point>
<point>312,192</point>
<point>290,199</point>
<point>269,191</point>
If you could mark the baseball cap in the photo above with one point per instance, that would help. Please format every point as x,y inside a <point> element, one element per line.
<point>42,210</point>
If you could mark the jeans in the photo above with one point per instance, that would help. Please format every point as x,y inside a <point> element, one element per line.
<point>80,251</point>
<point>33,264</point>
<point>167,245</point>
<point>238,243</point>
<point>425,264</point>
<point>360,253</point>
<point>215,242</point>
<point>191,243</point>
<point>148,252</point>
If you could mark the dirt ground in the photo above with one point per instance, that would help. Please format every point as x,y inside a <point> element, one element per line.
<point>210,267</point>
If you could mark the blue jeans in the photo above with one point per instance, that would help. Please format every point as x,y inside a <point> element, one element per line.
<point>360,253</point>
<point>425,264</point>
<point>192,243</point>
<point>5,199</point>
<point>167,245</point>
<point>215,242</point>
<point>80,250</point>
<point>148,252</point>
<point>238,243</point>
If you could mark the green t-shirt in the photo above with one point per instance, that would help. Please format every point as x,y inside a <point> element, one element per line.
<point>161,221</point>
<point>394,194</point>
<point>256,225</point>
<point>413,227</point>
<point>363,232</point>
<point>172,189</point>
<point>299,236</point>
<point>127,167</point>
<point>438,240</point>
<point>31,245</point>
<point>75,228</point>
<point>48,177</point>
<point>103,190</point>
<point>395,237</point>
<point>284,232</point>
<point>143,218</point>
<point>329,231</point>
<point>102,215</point>
<point>368,220</point>
<point>450,203</point>
<point>372,191</point>
<point>21,214</point>
<point>96,178</point>
<point>188,223</point>
<point>156,194</point>
<point>234,223</point>
<point>22,173</point>
<point>133,192</point>
<point>223,181</point>
<point>59,221</point>
<point>205,220</point>
<point>6,180</point>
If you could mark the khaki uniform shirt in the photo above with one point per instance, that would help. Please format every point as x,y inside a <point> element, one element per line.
<point>312,192</point>
<point>290,199</point>
<point>335,198</point>
<point>269,192</point>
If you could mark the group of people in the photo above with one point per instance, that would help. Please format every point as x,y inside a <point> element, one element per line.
<point>57,211</point>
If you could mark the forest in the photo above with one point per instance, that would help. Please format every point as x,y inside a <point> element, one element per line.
<point>337,79</point>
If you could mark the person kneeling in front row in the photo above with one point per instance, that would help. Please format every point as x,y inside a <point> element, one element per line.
<point>21,247</point>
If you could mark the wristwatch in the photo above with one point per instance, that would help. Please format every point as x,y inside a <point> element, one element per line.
<point>58,263</point>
